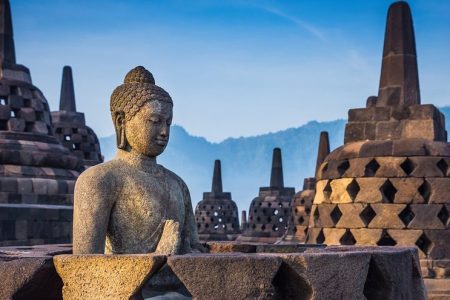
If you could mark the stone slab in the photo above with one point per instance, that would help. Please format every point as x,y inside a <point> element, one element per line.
<point>105,276</point>
<point>241,276</point>
<point>29,278</point>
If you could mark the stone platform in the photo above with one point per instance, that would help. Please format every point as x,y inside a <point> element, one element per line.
<point>229,271</point>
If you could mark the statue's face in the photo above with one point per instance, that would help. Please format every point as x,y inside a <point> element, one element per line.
<point>148,130</point>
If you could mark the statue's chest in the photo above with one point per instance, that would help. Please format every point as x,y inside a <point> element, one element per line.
<point>152,198</point>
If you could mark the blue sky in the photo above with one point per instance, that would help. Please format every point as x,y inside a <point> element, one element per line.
<point>234,68</point>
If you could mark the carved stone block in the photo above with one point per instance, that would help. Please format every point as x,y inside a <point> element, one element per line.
<point>370,190</point>
<point>366,236</point>
<point>321,215</point>
<point>333,235</point>
<point>390,167</point>
<point>323,192</point>
<point>341,191</point>
<point>232,270</point>
<point>440,190</point>
<point>408,190</point>
<point>426,216</point>
<point>376,148</point>
<point>387,216</point>
<point>350,215</point>
<point>105,276</point>
<point>426,167</point>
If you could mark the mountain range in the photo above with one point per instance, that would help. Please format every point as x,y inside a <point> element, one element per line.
<point>246,161</point>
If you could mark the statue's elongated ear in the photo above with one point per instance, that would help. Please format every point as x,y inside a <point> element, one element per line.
<point>119,123</point>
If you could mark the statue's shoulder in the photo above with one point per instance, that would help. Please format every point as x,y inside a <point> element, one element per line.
<point>177,179</point>
<point>104,174</point>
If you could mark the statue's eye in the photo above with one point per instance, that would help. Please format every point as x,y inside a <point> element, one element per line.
<point>155,120</point>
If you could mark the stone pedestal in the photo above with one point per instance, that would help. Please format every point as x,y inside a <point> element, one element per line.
<point>230,271</point>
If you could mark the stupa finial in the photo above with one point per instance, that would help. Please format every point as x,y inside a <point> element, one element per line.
<point>399,81</point>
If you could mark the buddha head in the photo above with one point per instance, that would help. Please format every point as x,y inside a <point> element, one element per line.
<point>142,113</point>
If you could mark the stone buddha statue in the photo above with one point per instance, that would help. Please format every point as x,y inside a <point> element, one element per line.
<point>131,204</point>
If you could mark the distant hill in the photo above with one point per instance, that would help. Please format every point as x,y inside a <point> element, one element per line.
<point>246,161</point>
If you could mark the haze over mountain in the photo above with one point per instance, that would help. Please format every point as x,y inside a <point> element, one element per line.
<point>246,161</point>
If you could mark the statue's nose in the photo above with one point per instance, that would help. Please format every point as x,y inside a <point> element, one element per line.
<point>164,131</point>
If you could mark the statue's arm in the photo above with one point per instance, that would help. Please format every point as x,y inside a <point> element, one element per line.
<point>91,212</point>
<point>190,235</point>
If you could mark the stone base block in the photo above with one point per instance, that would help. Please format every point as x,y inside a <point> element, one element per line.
<point>438,289</point>
<point>115,277</point>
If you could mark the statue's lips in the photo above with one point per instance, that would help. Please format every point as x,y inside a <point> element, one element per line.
<point>161,142</point>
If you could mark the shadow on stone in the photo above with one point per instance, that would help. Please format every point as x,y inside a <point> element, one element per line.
<point>376,287</point>
<point>165,284</point>
<point>30,278</point>
<point>290,285</point>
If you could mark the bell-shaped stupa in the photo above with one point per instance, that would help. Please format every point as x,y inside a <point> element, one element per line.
<point>270,211</point>
<point>389,184</point>
<point>37,174</point>
<point>70,126</point>
<point>302,200</point>
<point>217,216</point>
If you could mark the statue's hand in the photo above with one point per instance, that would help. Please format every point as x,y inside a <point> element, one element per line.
<point>170,238</point>
<point>198,248</point>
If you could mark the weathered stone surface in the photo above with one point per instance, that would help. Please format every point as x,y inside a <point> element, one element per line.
<point>385,282</point>
<point>131,204</point>
<point>240,276</point>
<point>426,216</point>
<point>399,83</point>
<point>321,215</point>
<point>345,275</point>
<point>323,192</point>
<point>360,167</point>
<point>438,289</point>
<point>350,213</point>
<point>435,243</point>
<point>386,216</point>
<point>409,147</point>
<point>286,248</point>
<point>390,167</point>
<point>323,150</point>
<point>340,192</point>
<point>333,235</point>
<point>105,276</point>
<point>422,129</point>
<point>27,142</point>
<point>426,167</point>
<point>440,190</point>
<point>376,148</point>
<point>407,190</point>
<point>369,190</point>
<point>24,224</point>
<point>366,236</point>
<point>300,213</point>
<point>406,237</point>
<point>29,278</point>
<point>226,247</point>
<point>389,130</point>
